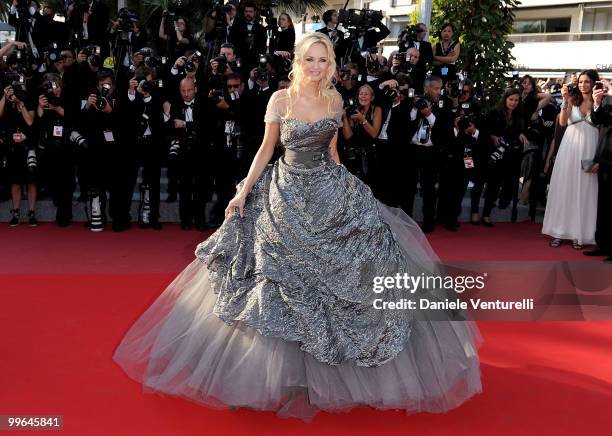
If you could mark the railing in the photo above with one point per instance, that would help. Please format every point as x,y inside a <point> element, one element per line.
<point>560,37</point>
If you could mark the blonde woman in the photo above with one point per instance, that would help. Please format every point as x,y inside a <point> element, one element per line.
<point>282,309</point>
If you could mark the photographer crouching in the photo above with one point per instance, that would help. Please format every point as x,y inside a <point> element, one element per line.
<point>17,119</point>
<point>60,153</point>
<point>360,126</point>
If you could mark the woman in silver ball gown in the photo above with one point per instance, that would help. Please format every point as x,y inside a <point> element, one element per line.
<point>277,312</point>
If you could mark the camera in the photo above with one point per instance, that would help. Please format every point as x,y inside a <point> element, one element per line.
<point>102,96</point>
<point>261,74</point>
<point>221,61</point>
<point>17,82</point>
<point>407,37</point>
<point>465,121</point>
<point>49,87</point>
<point>352,106</point>
<point>599,85</point>
<point>53,53</point>
<point>149,86</point>
<point>78,140</point>
<point>192,62</point>
<point>93,55</point>
<point>422,103</point>
<point>216,95</point>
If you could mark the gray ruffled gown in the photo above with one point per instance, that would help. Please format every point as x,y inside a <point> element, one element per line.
<point>276,312</point>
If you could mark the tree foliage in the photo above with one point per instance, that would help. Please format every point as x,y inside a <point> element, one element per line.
<point>483,26</point>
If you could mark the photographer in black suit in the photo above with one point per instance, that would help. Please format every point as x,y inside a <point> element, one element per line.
<point>190,147</point>
<point>337,37</point>
<point>248,36</point>
<point>406,41</point>
<point>430,131</point>
<point>602,115</point>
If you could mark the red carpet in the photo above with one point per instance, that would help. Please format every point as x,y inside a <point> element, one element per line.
<point>67,296</point>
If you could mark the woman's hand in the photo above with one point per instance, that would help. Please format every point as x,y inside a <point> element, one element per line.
<point>594,169</point>
<point>359,116</point>
<point>523,139</point>
<point>565,92</point>
<point>547,166</point>
<point>43,102</point>
<point>236,202</point>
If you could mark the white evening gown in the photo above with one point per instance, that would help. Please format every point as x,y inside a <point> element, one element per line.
<point>571,208</point>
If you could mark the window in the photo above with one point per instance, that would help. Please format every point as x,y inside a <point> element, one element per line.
<point>396,3</point>
<point>397,24</point>
<point>544,25</point>
<point>597,20</point>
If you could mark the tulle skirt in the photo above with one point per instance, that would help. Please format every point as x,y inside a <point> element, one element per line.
<point>179,347</point>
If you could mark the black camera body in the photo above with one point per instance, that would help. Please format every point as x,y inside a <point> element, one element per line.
<point>261,74</point>
<point>102,95</point>
<point>352,106</point>
<point>49,88</point>
<point>94,56</point>
<point>422,102</point>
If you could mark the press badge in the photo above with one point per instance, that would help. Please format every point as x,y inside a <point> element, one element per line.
<point>229,127</point>
<point>108,136</point>
<point>444,71</point>
<point>18,137</point>
<point>58,131</point>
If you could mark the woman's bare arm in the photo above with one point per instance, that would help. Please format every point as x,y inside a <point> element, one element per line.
<point>262,157</point>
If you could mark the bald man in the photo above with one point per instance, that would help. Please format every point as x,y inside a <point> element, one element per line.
<point>191,152</point>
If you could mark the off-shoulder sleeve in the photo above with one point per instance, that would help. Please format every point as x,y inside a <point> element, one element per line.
<point>338,109</point>
<point>275,109</point>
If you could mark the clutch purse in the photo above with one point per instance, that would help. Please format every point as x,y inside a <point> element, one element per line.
<point>587,164</point>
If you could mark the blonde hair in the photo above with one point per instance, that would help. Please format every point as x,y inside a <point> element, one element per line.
<point>326,88</point>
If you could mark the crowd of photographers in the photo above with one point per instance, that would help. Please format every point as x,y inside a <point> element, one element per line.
<point>73,121</point>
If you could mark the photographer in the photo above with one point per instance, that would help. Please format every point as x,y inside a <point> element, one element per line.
<point>88,24</point>
<point>348,83</point>
<point>16,119</point>
<point>602,116</point>
<point>264,72</point>
<point>99,126</point>
<point>187,66</point>
<point>361,125</point>
<point>463,160</point>
<point>248,36</point>
<point>179,39</point>
<point>505,125</point>
<point>337,37</point>
<point>125,35</point>
<point>405,64</point>
<point>390,144</point>
<point>188,121</point>
<point>144,141</point>
<point>414,36</point>
<point>238,132</point>
<point>29,25</point>
<point>226,63</point>
<point>445,54</point>
<point>60,155</point>
<point>431,132</point>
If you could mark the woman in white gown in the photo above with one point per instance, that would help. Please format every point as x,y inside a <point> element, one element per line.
<point>276,312</point>
<point>571,208</point>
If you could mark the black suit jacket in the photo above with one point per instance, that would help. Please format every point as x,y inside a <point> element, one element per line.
<point>603,117</point>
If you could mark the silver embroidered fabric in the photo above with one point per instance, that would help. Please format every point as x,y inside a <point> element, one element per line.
<point>293,266</point>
